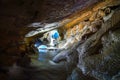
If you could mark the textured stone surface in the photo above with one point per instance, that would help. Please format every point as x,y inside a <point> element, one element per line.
<point>103,61</point>
<point>98,55</point>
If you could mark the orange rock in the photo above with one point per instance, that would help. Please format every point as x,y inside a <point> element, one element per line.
<point>93,16</point>
<point>68,33</point>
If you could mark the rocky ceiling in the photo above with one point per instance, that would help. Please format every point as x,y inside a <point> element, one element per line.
<point>16,14</point>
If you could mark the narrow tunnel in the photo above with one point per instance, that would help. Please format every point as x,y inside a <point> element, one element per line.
<point>60,40</point>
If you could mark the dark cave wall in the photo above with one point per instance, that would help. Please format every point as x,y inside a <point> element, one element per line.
<point>31,11</point>
<point>15,15</point>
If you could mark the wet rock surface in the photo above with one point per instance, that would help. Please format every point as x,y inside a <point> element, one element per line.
<point>99,54</point>
<point>103,61</point>
<point>96,58</point>
<point>78,75</point>
<point>105,64</point>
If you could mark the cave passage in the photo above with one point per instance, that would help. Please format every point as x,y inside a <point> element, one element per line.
<point>60,40</point>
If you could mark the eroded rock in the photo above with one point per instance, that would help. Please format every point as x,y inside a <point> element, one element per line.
<point>100,58</point>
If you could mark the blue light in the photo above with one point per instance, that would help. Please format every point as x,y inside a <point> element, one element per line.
<point>42,52</point>
<point>38,43</point>
<point>42,49</point>
<point>55,35</point>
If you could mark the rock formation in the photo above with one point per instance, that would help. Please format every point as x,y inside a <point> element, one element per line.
<point>90,34</point>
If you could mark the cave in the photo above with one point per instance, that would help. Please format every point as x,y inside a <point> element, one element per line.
<point>60,40</point>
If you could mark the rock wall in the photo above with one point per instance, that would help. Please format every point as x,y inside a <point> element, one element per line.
<point>97,56</point>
